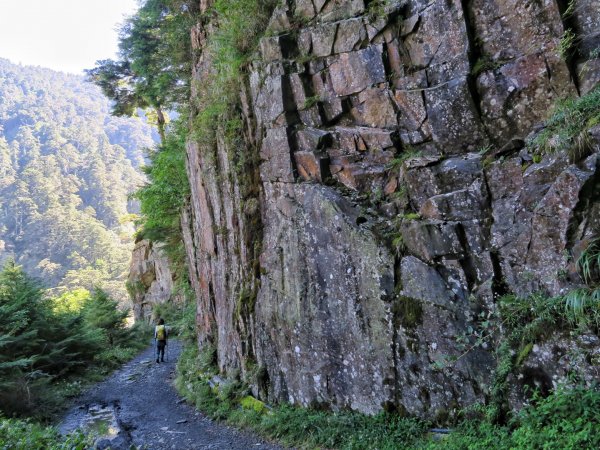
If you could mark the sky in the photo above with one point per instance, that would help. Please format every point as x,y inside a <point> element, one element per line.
<point>64,35</point>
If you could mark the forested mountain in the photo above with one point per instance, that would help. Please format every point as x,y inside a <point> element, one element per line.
<point>66,169</point>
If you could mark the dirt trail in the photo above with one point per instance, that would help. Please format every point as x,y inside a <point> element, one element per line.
<point>138,405</point>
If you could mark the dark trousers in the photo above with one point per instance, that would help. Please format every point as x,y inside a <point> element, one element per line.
<point>160,350</point>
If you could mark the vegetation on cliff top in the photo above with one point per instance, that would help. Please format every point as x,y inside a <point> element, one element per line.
<point>154,73</point>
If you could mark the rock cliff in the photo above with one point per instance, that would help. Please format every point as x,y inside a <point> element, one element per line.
<point>387,198</point>
<point>150,279</point>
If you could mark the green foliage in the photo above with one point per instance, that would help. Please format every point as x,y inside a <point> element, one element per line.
<point>155,66</point>
<point>24,435</point>
<point>408,154</point>
<point>70,301</point>
<point>164,195</point>
<point>169,311</point>
<point>533,317</point>
<point>567,418</point>
<point>42,346</point>
<point>37,345</point>
<point>398,244</point>
<point>185,325</point>
<point>568,13</point>
<point>583,304</point>
<point>485,63</point>
<point>154,72</point>
<point>100,312</point>
<point>379,9</point>
<point>240,23</point>
<point>408,311</point>
<point>527,321</point>
<point>567,128</point>
<point>66,169</point>
<point>588,263</point>
<point>566,44</point>
<point>411,216</point>
<point>309,102</point>
<point>252,404</point>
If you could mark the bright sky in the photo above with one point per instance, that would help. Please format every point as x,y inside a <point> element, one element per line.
<point>65,35</point>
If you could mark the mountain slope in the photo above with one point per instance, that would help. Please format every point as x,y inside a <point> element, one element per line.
<point>66,170</point>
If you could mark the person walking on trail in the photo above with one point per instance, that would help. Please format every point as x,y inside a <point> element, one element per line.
<point>160,337</point>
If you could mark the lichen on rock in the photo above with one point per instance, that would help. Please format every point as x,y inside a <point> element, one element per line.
<point>355,120</point>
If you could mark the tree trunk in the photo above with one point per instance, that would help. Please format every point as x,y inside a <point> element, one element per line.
<point>160,121</point>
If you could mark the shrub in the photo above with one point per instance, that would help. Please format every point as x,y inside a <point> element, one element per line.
<point>23,435</point>
<point>43,343</point>
<point>100,312</point>
<point>568,418</point>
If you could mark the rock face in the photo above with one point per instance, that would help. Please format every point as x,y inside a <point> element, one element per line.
<point>390,199</point>
<point>150,279</point>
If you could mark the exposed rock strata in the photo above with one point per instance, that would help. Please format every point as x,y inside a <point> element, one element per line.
<point>292,259</point>
<point>150,279</point>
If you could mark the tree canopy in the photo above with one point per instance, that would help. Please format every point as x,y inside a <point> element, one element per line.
<point>67,168</point>
<point>154,67</point>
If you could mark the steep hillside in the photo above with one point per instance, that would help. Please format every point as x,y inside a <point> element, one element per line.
<point>66,170</point>
<point>379,217</point>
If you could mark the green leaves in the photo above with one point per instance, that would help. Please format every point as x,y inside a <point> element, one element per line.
<point>66,169</point>
<point>24,435</point>
<point>588,262</point>
<point>163,197</point>
<point>155,66</point>
<point>40,343</point>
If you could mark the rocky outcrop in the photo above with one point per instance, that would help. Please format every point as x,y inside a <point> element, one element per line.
<point>389,198</point>
<point>150,279</point>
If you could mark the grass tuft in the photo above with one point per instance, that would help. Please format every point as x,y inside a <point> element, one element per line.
<point>567,128</point>
<point>24,435</point>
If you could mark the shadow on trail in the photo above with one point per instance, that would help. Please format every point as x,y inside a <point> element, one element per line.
<point>139,406</point>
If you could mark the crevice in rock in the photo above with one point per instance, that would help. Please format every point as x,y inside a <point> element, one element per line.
<point>289,46</point>
<point>360,220</point>
<point>211,335</point>
<point>474,53</point>
<point>307,85</point>
<point>387,67</point>
<point>499,285</point>
<point>292,116</point>
<point>589,194</point>
<point>548,70</point>
<point>293,119</point>
<point>569,23</point>
<point>466,261</point>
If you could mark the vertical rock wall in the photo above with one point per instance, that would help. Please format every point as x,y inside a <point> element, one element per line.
<point>150,279</point>
<point>341,272</point>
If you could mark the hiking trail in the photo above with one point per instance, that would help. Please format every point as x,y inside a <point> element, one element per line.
<point>138,405</point>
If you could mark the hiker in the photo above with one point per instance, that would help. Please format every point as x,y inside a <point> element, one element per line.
<point>160,337</point>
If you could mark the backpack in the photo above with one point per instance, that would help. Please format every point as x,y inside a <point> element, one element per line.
<point>161,333</point>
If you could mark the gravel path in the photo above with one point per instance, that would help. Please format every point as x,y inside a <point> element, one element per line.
<point>138,405</point>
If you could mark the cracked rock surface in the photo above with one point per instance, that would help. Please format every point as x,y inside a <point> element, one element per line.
<point>387,199</point>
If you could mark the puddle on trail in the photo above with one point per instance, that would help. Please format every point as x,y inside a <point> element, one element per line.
<point>99,420</point>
